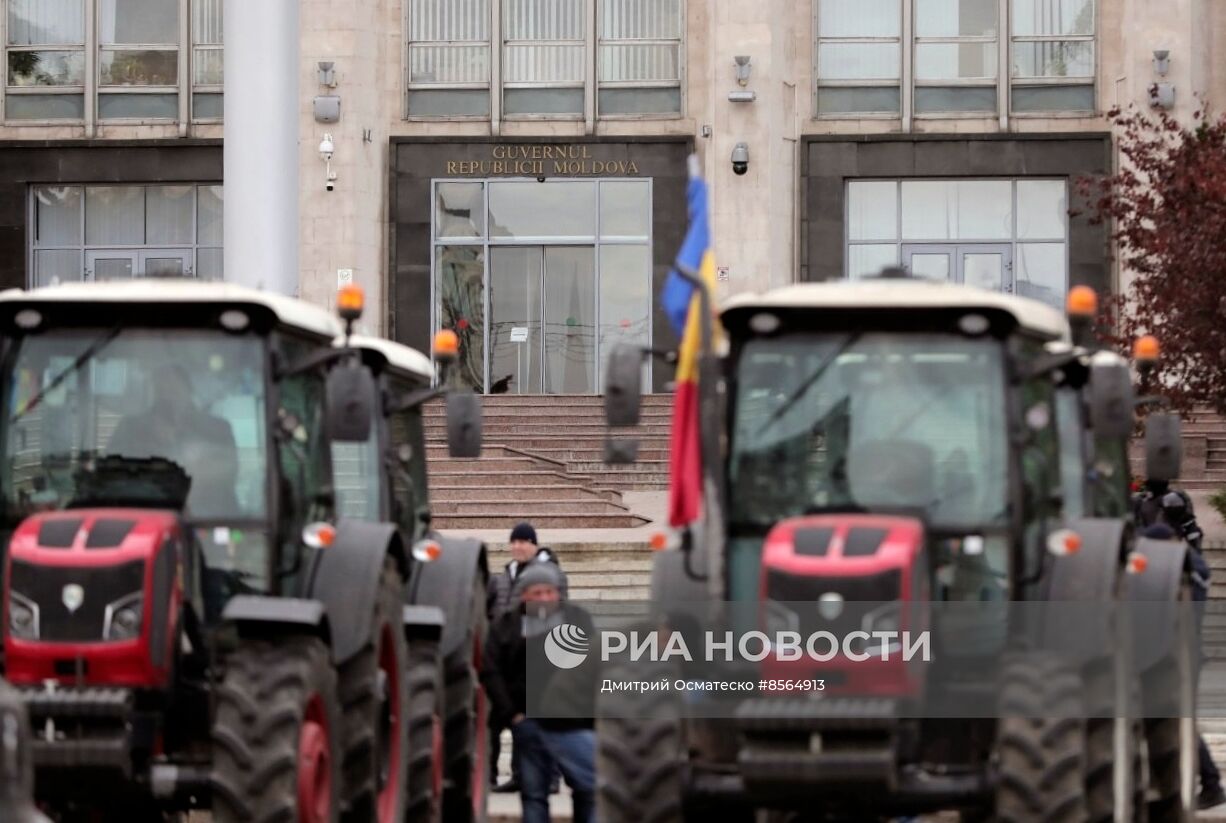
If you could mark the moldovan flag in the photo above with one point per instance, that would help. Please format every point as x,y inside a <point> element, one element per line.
<point>682,303</point>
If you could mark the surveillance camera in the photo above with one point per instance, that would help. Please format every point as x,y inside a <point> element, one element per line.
<point>330,185</point>
<point>540,178</point>
<point>740,159</point>
<point>326,147</point>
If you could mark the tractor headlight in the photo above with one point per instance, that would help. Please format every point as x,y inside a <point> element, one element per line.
<point>123,618</point>
<point>23,617</point>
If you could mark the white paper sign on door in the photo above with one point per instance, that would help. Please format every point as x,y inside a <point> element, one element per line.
<point>519,334</point>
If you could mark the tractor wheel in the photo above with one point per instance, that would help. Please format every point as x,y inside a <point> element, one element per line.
<point>1041,742</point>
<point>374,697</point>
<point>425,721</point>
<point>1170,727</point>
<point>465,727</point>
<point>276,752</point>
<point>638,756</point>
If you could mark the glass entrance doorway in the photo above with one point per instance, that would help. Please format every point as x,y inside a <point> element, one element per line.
<point>540,280</point>
<point>542,324</point>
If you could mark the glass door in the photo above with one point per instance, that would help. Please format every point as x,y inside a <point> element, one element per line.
<point>165,263</point>
<point>988,267</point>
<point>111,265</point>
<point>930,262</point>
<point>570,320</point>
<point>516,346</point>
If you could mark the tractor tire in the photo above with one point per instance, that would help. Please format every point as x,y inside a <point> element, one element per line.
<point>465,726</point>
<point>276,746</point>
<point>639,756</point>
<point>374,697</point>
<point>1041,742</point>
<point>425,721</point>
<point>1170,726</point>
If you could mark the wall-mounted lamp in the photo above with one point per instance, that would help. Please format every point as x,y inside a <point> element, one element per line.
<point>326,148</point>
<point>1162,62</point>
<point>327,74</point>
<point>742,69</point>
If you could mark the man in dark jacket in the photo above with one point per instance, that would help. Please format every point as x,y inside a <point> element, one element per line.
<point>524,551</point>
<point>544,744</point>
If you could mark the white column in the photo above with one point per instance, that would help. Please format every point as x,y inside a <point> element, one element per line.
<point>261,144</point>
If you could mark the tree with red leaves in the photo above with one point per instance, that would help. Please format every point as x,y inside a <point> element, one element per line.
<point>1168,207</point>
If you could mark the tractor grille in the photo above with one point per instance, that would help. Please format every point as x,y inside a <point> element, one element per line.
<point>861,595</point>
<point>102,585</point>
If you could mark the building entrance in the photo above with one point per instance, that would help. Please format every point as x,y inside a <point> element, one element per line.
<point>541,279</point>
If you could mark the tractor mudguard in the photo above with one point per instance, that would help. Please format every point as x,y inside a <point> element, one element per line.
<point>258,614</point>
<point>1088,575</point>
<point>448,582</point>
<point>423,622</point>
<point>1157,589</point>
<point>347,578</point>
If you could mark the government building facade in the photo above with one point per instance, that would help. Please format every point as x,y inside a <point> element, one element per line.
<point>515,170</point>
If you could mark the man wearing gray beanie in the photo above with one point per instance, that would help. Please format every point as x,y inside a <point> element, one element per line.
<point>524,552</point>
<point>544,744</point>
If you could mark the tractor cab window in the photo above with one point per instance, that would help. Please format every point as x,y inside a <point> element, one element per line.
<point>152,417</point>
<point>304,450</point>
<point>1072,452</point>
<point>871,422</point>
<point>356,470</point>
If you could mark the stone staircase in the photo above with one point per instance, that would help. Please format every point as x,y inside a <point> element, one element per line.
<point>543,460</point>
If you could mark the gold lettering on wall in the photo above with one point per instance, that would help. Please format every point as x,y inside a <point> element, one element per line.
<point>529,161</point>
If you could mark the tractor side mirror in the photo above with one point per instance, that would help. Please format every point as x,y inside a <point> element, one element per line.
<point>1163,446</point>
<point>623,387</point>
<point>351,393</point>
<point>1111,401</point>
<point>463,424</point>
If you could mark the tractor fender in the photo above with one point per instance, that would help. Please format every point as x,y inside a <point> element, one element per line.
<point>423,623</point>
<point>1156,591</point>
<point>256,615</point>
<point>677,598</point>
<point>1089,575</point>
<point>347,577</point>
<point>448,582</point>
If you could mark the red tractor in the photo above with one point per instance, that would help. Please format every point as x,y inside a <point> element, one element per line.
<point>884,456</point>
<point>189,622</point>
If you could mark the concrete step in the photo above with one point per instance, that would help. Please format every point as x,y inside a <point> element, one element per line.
<point>479,504</point>
<point>604,470</point>
<point>535,477</point>
<point>624,563</point>
<point>492,432</point>
<point>491,465</point>
<point>578,457</point>
<point>541,519</point>
<point>548,409</point>
<point>548,442</point>
<point>440,493</point>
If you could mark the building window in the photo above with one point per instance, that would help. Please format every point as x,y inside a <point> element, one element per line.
<point>121,232</point>
<point>859,56</point>
<point>1053,55</point>
<point>937,57</point>
<point>1006,235</point>
<point>136,62</point>
<point>540,280</point>
<point>555,58</point>
<point>208,60</point>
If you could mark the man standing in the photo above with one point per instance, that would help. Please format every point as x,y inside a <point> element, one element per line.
<point>543,744</point>
<point>524,551</point>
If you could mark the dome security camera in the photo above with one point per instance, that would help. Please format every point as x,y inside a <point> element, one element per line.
<point>740,159</point>
<point>326,147</point>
